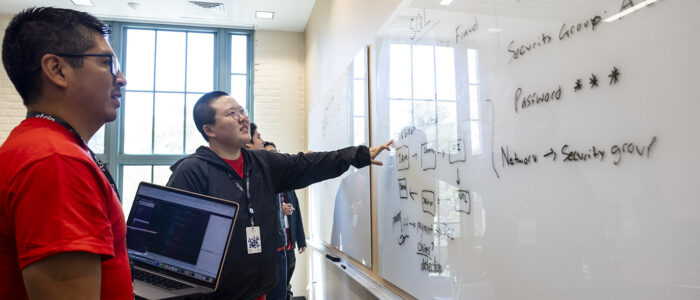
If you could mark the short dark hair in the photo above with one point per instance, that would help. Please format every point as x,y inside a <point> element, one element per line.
<point>265,144</point>
<point>36,31</point>
<point>253,129</point>
<point>203,113</point>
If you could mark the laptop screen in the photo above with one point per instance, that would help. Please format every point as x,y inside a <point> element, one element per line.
<point>181,233</point>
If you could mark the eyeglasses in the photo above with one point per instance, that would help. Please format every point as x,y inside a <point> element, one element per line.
<point>236,115</point>
<point>114,66</point>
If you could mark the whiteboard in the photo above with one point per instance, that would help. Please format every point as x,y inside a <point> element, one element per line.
<point>340,207</point>
<point>541,152</point>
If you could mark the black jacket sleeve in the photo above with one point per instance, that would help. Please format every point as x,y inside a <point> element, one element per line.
<point>297,171</point>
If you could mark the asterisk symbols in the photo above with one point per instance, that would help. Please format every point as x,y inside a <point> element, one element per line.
<point>593,81</point>
<point>614,74</point>
<point>578,85</point>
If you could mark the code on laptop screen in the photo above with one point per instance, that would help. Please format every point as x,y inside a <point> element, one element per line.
<point>178,232</point>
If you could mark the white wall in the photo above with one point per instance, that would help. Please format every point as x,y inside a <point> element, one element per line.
<point>280,110</point>
<point>11,109</point>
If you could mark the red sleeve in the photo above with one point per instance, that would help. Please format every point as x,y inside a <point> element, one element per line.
<point>58,206</point>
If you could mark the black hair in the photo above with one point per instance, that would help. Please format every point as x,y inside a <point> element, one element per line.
<point>269,144</point>
<point>36,31</point>
<point>253,129</point>
<point>203,113</point>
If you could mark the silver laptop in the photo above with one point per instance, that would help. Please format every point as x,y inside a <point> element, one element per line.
<point>177,241</point>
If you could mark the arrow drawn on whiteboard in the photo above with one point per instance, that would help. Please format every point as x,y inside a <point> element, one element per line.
<point>413,194</point>
<point>458,176</point>
<point>552,152</point>
<point>493,129</point>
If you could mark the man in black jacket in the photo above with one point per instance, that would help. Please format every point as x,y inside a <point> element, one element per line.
<point>226,170</point>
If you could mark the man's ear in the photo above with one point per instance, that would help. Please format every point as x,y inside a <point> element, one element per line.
<point>208,131</point>
<point>54,69</point>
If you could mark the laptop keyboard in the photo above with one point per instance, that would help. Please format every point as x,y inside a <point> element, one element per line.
<point>159,281</point>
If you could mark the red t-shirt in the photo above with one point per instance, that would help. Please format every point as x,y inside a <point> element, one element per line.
<point>236,164</point>
<point>54,199</point>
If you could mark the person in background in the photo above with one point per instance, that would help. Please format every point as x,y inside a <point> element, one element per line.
<point>62,231</point>
<point>225,169</point>
<point>279,291</point>
<point>294,229</point>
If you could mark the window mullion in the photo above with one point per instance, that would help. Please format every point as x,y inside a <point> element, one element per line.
<point>435,97</point>
<point>184,102</point>
<point>413,102</point>
<point>153,101</point>
<point>224,53</point>
<point>249,79</point>
<point>114,132</point>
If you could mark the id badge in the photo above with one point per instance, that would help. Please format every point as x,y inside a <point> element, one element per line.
<point>252,234</point>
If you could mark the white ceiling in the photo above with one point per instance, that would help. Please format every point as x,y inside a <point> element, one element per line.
<point>290,15</point>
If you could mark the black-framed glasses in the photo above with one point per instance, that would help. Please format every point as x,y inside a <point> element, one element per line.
<point>114,66</point>
<point>235,114</point>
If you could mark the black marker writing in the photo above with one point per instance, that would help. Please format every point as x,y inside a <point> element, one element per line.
<point>614,75</point>
<point>445,230</point>
<point>461,34</point>
<point>520,50</point>
<point>593,81</point>
<point>406,132</point>
<point>567,31</point>
<point>552,153</point>
<point>632,149</point>
<point>424,228</point>
<point>402,239</point>
<point>535,98</point>
<point>397,218</point>
<point>403,153</point>
<point>425,249</point>
<point>430,265</point>
<point>511,160</point>
<point>574,155</point>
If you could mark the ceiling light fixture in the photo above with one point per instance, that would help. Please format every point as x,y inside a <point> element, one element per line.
<point>82,2</point>
<point>264,14</point>
<point>445,2</point>
<point>628,11</point>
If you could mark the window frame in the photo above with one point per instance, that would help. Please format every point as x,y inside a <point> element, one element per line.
<point>352,80</point>
<point>114,156</point>
<point>434,100</point>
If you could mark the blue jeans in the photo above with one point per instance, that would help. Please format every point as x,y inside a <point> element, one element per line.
<point>279,292</point>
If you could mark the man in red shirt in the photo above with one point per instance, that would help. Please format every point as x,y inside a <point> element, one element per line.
<point>62,231</point>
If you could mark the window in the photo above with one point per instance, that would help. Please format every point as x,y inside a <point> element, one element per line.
<point>423,93</point>
<point>474,109</point>
<point>422,105</point>
<point>358,90</point>
<point>168,68</point>
<point>429,90</point>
